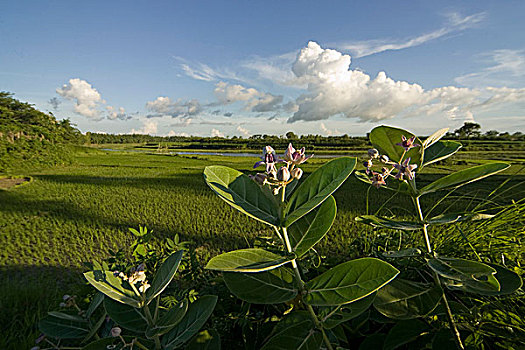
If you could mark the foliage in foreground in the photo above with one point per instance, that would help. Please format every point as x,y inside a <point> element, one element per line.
<point>127,311</point>
<point>301,215</point>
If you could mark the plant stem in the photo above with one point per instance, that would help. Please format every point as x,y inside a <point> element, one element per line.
<point>302,289</point>
<point>150,323</point>
<point>444,301</point>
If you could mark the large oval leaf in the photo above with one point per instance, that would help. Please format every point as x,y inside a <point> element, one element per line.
<point>471,276</point>
<point>62,326</point>
<point>378,221</point>
<point>404,332</point>
<point>349,281</point>
<point>168,320</point>
<point>298,335</point>
<point>333,316</point>
<point>247,260</point>
<point>317,187</point>
<point>197,315</point>
<point>384,138</point>
<point>440,150</point>
<point>269,287</point>
<point>403,300</point>
<point>164,275</point>
<point>509,281</point>
<point>311,228</point>
<point>126,316</point>
<point>113,287</point>
<point>435,137</point>
<point>242,193</point>
<point>464,177</point>
<point>205,340</point>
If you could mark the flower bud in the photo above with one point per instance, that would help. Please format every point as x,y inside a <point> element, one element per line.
<point>373,153</point>
<point>66,297</point>
<point>384,158</point>
<point>62,305</point>
<point>260,178</point>
<point>283,174</point>
<point>297,173</point>
<point>115,331</point>
<point>368,163</point>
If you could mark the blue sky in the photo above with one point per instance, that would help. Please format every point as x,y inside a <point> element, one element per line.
<point>254,67</point>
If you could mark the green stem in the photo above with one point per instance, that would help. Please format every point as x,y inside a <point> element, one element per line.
<point>302,290</point>
<point>151,324</point>
<point>444,301</point>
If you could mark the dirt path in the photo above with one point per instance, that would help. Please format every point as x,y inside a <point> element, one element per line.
<point>10,182</point>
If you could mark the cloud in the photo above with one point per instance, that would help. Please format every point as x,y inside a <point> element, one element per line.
<point>274,68</point>
<point>173,133</point>
<point>254,100</point>
<point>506,67</point>
<point>164,106</point>
<point>216,133</point>
<point>183,123</point>
<point>228,114</point>
<point>86,97</point>
<point>455,23</point>
<point>335,89</point>
<point>54,103</point>
<point>149,127</point>
<point>243,131</point>
<point>327,131</point>
<point>117,114</point>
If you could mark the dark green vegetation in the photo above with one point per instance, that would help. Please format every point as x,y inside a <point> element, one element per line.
<point>30,138</point>
<point>75,213</point>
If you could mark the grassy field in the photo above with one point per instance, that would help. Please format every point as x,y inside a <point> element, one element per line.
<point>72,214</point>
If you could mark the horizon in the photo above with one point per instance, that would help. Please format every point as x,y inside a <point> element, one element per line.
<point>224,69</point>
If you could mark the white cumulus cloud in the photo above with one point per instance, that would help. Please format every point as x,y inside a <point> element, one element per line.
<point>216,133</point>
<point>243,131</point>
<point>335,89</point>
<point>149,127</point>
<point>164,106</point>
<point>254,100</point>
<point>86,97</point>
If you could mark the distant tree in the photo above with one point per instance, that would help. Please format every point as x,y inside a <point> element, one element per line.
<point>468,130</point>
<point>290,135</point>
<point>492,133</point>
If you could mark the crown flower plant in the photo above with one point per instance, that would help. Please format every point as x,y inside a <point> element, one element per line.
<point>300,211</point>
<point>405,299</point>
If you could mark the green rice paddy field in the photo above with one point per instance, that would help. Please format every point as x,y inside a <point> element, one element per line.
<point>73,214</point>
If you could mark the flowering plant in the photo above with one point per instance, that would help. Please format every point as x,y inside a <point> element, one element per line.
<point>404,299</point>
<point>300,214</point>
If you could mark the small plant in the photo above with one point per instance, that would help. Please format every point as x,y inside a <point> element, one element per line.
<point>402,155</point>
<point>300,215</point>
<point>131,301</point>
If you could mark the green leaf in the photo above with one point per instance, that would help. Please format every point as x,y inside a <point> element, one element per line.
<point>269,287</point>
<point>440,150</point>
<point>62,326</point>
<point>317,188</point>
<point>392,184</point>
<point>378,221</point>
<point>509,281</point>
<point>471,276</point>
<point>168,320</point>
<point>403,333</point>
<point>197,315</point>
<point>95,303</point>
<point>205,340</point>
<point>349,281</point>
<point>403,300</point>
<point>435,137</point>
<point>464,177</point>
<point>384,138</point>
<point>106,343</point>
<point>299,336</point>
<point>333,316</point>
<point>164,276</point>
<point>311,228</point>
<point>95,328</point>
<point>242,193</point>
<point>112,286</point>
<point>457,217</point>
<point>126,316</point>
<point>247,260</point>
<point>404,253</point>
